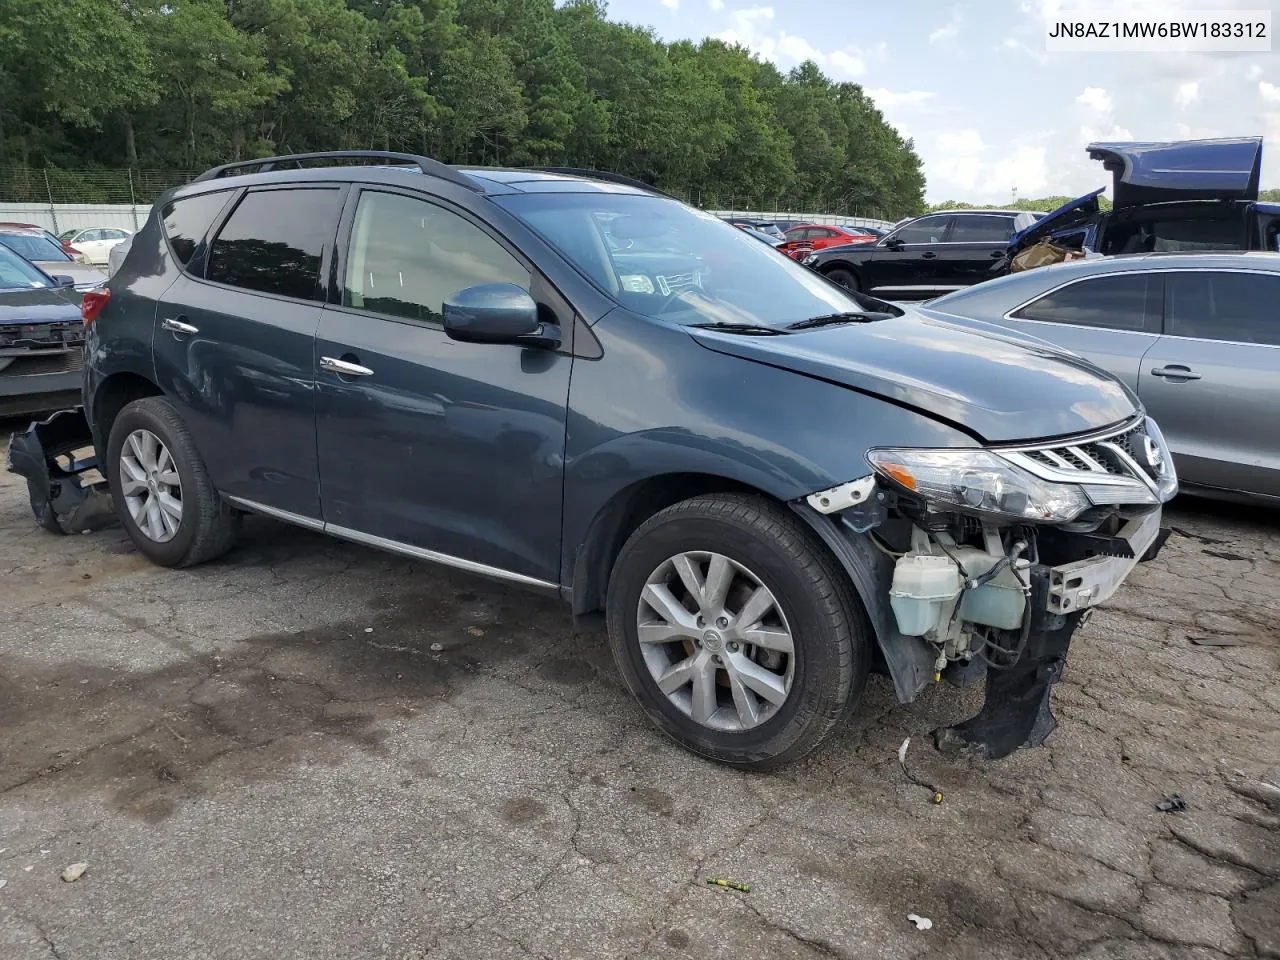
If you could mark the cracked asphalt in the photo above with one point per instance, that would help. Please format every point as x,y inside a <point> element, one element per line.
<point>310,749</point>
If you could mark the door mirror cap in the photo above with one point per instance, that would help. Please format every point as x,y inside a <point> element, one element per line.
<point>497,313</point>
<point>61,281</point>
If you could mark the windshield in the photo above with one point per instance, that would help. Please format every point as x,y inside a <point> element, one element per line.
<point>67,234</point>
<point>17,274</point>
<point>661,258</point>
<point>33,247</point>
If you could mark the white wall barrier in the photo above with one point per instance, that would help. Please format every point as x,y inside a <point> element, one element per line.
<point>76,216</point>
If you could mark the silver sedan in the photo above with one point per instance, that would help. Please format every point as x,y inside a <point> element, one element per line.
<point>1196,336</point>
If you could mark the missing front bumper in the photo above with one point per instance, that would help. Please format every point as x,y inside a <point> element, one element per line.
<point>67,492</point>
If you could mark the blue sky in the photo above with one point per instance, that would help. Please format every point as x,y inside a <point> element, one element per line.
<point>971,81</point>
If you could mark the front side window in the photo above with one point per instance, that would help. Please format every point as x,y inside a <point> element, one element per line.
<point>1237,307</point>
<point>1112,303</point>
<point>664,259</point>
<point>925,230</point>
<point>981,228</point>
<point>33,247</point>
<point>408,256</point>
<point>274,242</point>
<point>188,219</point>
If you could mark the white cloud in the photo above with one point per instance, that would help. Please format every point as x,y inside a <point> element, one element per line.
<point>716,5</point>
<point>1096,99</point>
<point>1025,167</point>
<point>671,4</point>
<point>960,153</point>
<point>899,98</point>
<point>1269,91</point>
<point>1187,93</point>
<point>948,30</point>
<point>1255,72</point>
<point>750,28</point>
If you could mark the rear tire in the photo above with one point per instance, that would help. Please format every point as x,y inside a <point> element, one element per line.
<point>815,610</point>
<point>202,526</point>
<point>845,278</point>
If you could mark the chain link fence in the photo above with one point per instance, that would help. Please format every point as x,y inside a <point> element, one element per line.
<point>31,185</point>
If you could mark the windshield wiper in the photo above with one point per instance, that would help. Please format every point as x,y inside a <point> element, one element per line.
<point>752,329</point>
<point>834,318</point>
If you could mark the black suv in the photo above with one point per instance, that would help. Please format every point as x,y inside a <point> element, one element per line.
<point>575,384</point>
<point>926,257</point>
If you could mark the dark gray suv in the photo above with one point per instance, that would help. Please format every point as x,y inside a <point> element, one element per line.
<point>565,380</point>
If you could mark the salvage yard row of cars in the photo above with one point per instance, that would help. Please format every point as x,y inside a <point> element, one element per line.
<point>765,483</point>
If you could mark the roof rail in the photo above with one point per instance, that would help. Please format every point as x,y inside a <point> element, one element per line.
<point>432,168</point>
<point>603,175</point>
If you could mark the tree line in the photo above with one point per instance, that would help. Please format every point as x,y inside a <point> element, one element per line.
<point>187,84</point>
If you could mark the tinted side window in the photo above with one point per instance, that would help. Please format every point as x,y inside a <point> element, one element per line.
<point>408,256</point>
<point>274,242</point>
<point>928,230</point>
<point>978,228</point>
<point>1113,303</point>
<point>187,220</point>
<point>1223,306</point>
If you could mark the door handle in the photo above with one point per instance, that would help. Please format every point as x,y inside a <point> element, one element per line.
<point>344,368</point>
<point>1175,372</point>
<point>928,255</point>
<point>177,326</point>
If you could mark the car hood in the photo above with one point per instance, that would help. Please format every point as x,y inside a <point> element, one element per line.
<point>1185,170</point>
<point>82,273</point>
<point>1070,213</point>
<point>38,306</point>
<point>996,388</point>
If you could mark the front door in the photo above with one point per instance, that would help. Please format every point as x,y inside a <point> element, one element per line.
<point>906,263</point>
<point>1212,382</point>
<point>1110,320</point>
<point>450,450</point>
<point>234,344</point>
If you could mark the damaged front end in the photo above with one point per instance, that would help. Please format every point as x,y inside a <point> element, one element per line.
<point>991,558</point>
<point>67,492</point>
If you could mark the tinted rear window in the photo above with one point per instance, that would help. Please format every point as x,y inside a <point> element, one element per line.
<point>1238,307</point>
<point>979,228</point>
<point>1113,303</point>
<point>187,220</point>
<point>275,240</point>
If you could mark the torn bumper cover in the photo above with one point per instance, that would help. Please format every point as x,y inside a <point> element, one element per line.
<point>67,493</point>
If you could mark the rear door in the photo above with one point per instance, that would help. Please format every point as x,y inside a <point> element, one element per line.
<point>1212,382</point>
<point>975,249</point>
<point>1112,320</point>
<point>235,335</point>
<point>907,263</point>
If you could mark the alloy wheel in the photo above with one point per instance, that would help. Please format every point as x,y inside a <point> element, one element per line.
<point>715,640</point>
<point>151,486</point>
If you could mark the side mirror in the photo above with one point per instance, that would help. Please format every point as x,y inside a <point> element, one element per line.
<point>497,313</point>
<point>893,243</point>
<point>62,281</point>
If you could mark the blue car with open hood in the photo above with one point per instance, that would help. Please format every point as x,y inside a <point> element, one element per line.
<point>1187,196</point>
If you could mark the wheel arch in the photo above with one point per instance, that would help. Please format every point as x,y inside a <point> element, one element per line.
<point>112,395</point>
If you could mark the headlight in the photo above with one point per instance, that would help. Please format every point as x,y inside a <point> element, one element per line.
<point>810,259</point>
<point>981,482</point>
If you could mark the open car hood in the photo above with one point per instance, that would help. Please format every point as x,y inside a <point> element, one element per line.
<point>1184,170</point>
<point>1079,210</point>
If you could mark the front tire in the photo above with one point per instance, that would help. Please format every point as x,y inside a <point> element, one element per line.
<point>736,630</point>
<point>845,278</point>
<point>161,489</point>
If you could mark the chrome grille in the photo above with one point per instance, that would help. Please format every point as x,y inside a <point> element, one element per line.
<point>1113,467</point>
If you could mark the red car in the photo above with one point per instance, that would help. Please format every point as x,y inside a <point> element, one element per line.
<point>821,236</point>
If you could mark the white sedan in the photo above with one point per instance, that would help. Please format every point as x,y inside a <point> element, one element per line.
<point>95,242</point>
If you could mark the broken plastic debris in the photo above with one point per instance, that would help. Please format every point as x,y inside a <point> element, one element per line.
<point>902,762</point>
<point>437,647</point>
<point>922,923</point>
<point>368,629</point>
<point>1172,804</point>
<point>731,884</point>
<point>74,872</point>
